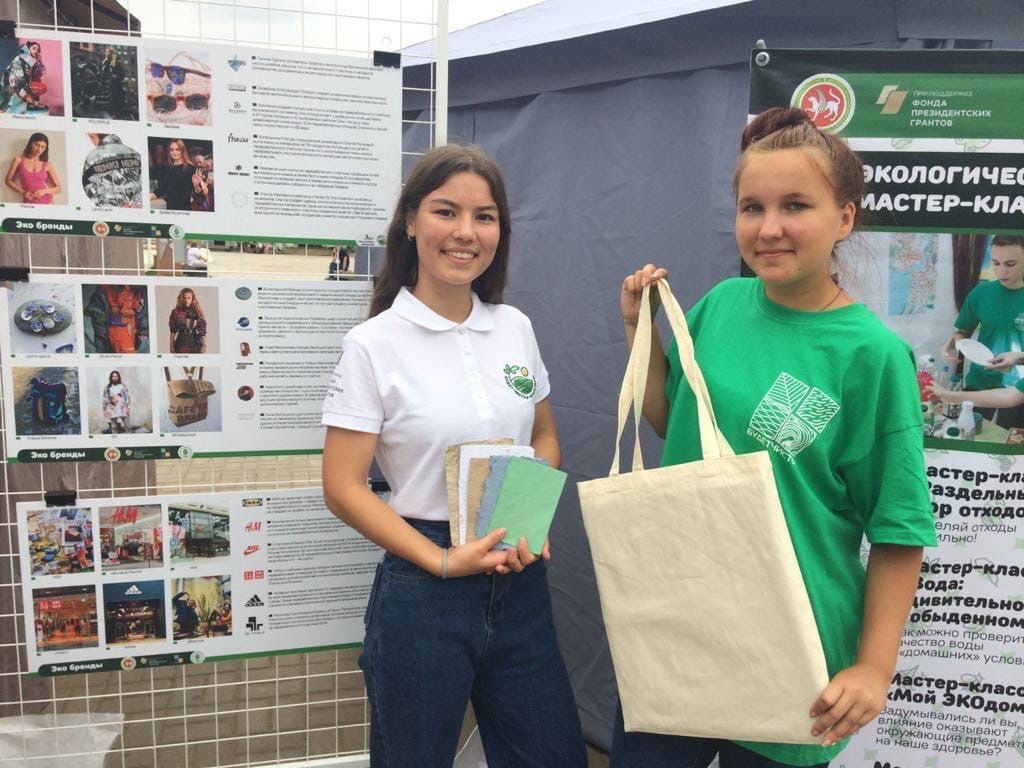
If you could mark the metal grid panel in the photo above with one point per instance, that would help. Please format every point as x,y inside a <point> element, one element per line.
<point>264,711</point>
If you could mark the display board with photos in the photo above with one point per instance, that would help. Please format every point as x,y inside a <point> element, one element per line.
<point>195,139</point>
<point>148,581</point>
<point>102,367</point>
<point>942,265</point>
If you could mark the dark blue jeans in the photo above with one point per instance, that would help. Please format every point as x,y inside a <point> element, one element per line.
<point>433,645</point>
<point>654,750</point>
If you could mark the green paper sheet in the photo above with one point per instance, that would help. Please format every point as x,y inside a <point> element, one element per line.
<point>527,501</point>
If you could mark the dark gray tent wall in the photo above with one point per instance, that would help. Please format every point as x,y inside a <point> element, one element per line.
<point>618,149</point>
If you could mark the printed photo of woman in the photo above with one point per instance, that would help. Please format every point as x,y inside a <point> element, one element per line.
<point>31,174</point>
<point>104,83</point>
<point>117,404</point>
<point>180,174</point>
<point>119,400</point>
<point>187,325</point>
<point>29,86</point>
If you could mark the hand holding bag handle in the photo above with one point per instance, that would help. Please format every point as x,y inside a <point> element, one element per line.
<point>634,384</point>
<point>699,581</point>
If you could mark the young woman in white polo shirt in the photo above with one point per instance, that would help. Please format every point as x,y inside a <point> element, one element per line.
<point>446,625</point>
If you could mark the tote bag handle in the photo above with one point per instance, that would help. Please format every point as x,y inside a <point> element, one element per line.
<point>634,382</point>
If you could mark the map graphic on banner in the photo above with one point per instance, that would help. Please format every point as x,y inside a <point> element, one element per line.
<point>100,367</point>
<point>941,133</point>
<point>133,582</point>
<point>912,273</point>
<point>154,138</point>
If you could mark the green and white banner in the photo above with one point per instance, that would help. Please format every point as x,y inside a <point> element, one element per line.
<point>942,137</point>
<point>152,367</point>
<point>142,137</point>
<point>150,581</point>
<point>939,131</point>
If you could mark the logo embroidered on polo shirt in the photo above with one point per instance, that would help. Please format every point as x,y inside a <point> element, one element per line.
<point>520,381</point>
<point>791,415</point>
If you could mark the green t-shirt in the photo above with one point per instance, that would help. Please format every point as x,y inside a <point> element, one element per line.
<point>999,312</point>
<point>833,398</point>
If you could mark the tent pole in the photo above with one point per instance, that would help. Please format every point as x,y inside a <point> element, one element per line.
<point>441,86</point>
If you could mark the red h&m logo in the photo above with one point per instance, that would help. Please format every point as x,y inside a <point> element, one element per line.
<point>125,515</point>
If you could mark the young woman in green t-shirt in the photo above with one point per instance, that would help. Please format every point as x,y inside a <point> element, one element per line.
<point>847,460</point>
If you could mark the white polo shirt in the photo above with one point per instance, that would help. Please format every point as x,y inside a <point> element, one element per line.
<point>423,383</point>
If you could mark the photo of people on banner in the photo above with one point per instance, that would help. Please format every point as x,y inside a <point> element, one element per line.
<point>33,77</point>
<point>958,300</point>
<point>104,81</point>
<point>119,400</point>
<point>202,607</point>
<point>35,167</point>
<point>180,174</point>
<point>190,319</point>
<point>116,319</point>
<point>130,538</point>
<point>65,618</point>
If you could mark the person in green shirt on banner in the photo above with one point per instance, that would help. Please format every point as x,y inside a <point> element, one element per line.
<point>795,367</point>
<point>998,397</point>
<point>996,309</point>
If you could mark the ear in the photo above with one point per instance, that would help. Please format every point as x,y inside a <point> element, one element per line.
<point>847,219</point>
<point>410,226</point>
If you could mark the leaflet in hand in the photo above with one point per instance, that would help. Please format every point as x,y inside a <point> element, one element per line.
<point>458,475</point>
<point>520,495</point>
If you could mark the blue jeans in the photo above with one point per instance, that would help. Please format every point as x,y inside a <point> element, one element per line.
<point>655,750</point>
<point>434,645</point>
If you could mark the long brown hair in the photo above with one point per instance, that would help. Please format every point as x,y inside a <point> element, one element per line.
<point>401,263</point>
<point>180,301</point>
<point>185,158</point>
<point>27,151</point>
<point>791,128</point>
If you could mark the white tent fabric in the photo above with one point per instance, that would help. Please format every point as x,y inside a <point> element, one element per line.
<point>555,20</point>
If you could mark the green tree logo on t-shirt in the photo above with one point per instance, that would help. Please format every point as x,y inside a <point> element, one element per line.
<point>520,381</point>
<point>792,415</point>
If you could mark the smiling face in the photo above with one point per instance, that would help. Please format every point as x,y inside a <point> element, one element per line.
<point>1008,264</point>
<point>788,221</point>
<point>457,234</point>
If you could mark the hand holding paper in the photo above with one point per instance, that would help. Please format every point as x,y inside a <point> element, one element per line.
<point>525,501</point>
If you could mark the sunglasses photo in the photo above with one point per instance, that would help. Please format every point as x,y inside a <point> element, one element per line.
<point>173,72</point>
<point>165,102</point>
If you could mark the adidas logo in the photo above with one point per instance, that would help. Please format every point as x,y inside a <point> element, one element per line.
<point>133,590</point>
<point>254,602</point>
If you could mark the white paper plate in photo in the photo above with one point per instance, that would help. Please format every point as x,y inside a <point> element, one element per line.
<point>975,351</point>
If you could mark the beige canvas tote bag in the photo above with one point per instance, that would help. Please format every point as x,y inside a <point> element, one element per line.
<point>709,623</point>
